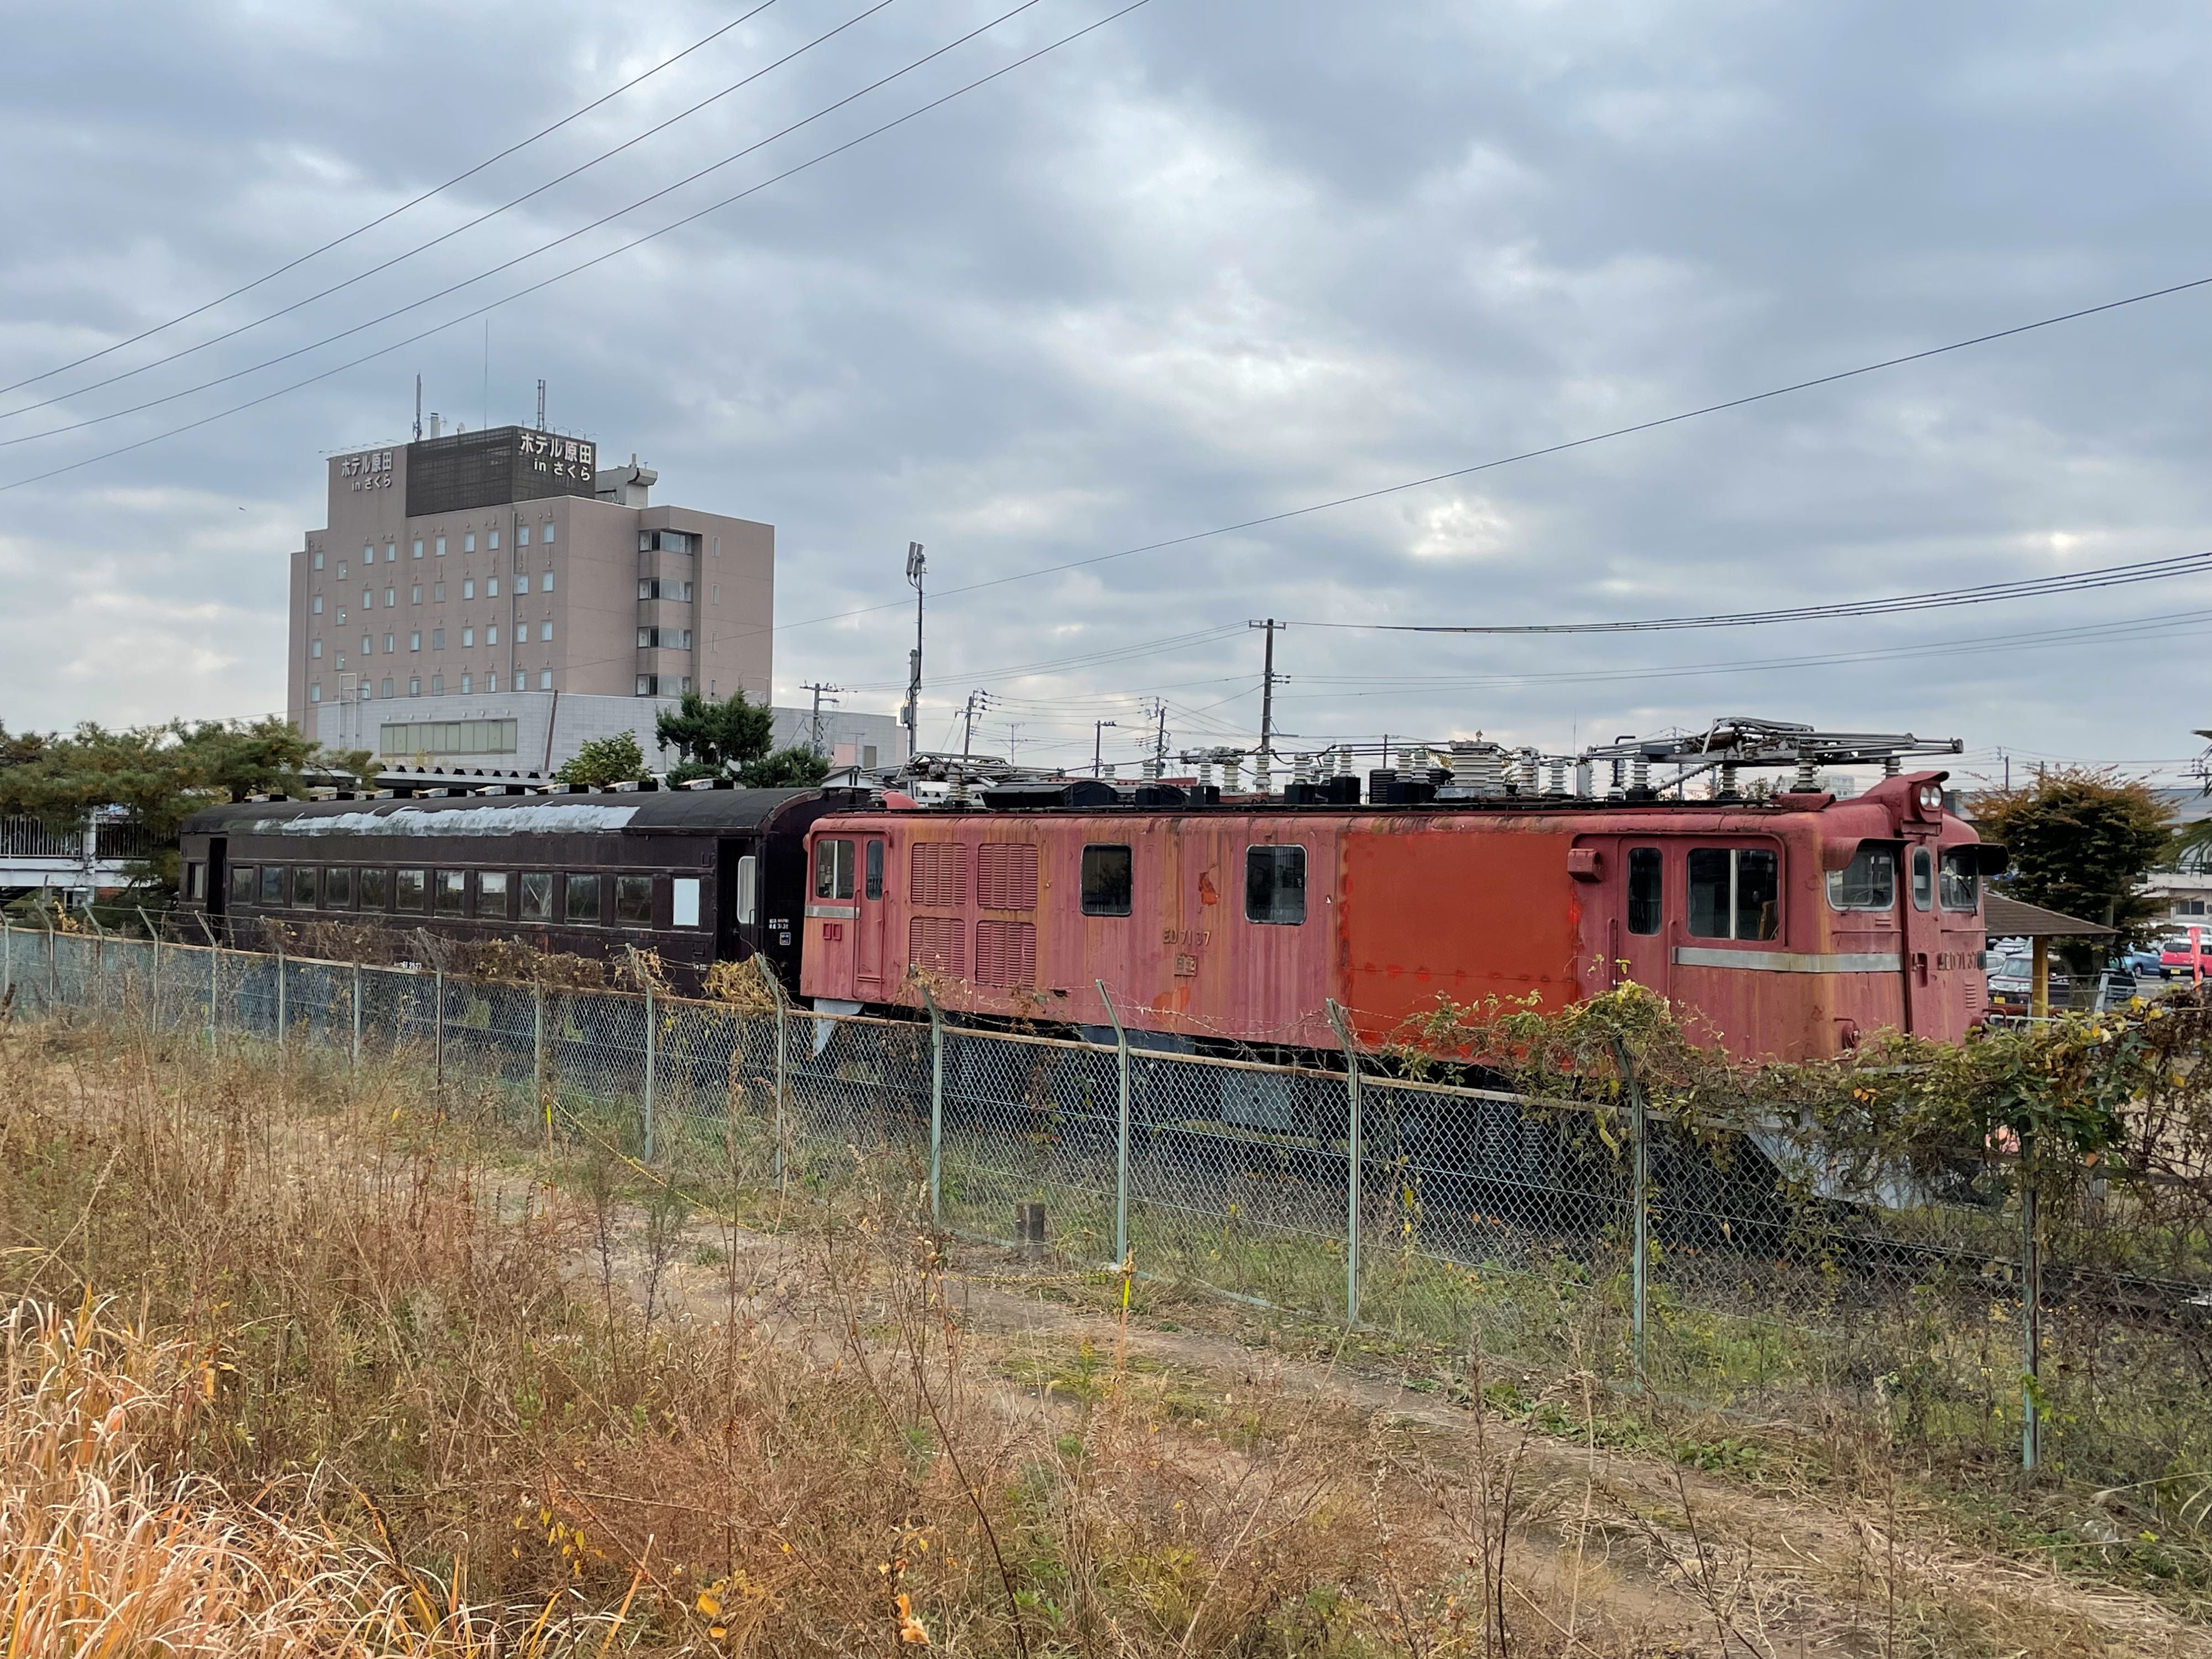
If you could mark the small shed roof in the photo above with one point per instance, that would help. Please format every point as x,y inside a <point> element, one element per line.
<point>2008,918</point>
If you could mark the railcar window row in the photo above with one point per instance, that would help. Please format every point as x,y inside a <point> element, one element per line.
<point>588,898</point>
<point>1274,879</point>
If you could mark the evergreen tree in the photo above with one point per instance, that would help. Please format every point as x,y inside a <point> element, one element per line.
<point>605,760</point>
<point>2082,840</point>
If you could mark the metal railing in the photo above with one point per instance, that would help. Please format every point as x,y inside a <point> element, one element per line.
<point>1559,1236</point>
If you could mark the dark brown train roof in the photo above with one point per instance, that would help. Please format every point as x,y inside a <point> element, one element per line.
<point>697,811</point>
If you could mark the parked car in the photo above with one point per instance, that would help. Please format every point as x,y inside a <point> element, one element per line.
<point>2141,962</point>
<point>2012,985</point>
<point>2176,961</point>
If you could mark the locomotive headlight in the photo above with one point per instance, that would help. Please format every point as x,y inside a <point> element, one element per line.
<point>1931,798</point>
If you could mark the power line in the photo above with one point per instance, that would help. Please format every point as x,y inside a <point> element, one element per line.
<point>1548,449</point>
<point>508,265</point>
<point>2113,575</point>
<point>383,218</point>
<point>689,218</point>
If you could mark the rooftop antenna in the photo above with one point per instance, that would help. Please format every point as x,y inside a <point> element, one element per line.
<point>541,406</point>
<point>418,409</point>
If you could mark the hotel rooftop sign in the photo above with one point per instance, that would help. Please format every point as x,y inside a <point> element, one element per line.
<point>465,469</point>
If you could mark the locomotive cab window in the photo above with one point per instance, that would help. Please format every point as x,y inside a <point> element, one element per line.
<point>833,870</point>
<point>1924,878</point>
<point>582,900</point>
<point>536,896</point>
<point>1275,885</point>
<point>407,889</point>
<point>1645,892</point>
<point>874,877</point>
<point>1106,872</point>
<point>1868,882</point>
<point>375,890</point>
<point>634,901</point>
<point>491,894</point>
<point>1959,887</point>
<point>1736,892</point>
<point>338,888</point>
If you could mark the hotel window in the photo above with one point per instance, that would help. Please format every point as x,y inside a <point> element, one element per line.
<point>441,547</point>
<point>522,584</point>
<point>367,554</point>
<point>418,548</point>
<point>547,584</point>
<point>522,537</point>
<point>492,541</point>
<point>469,587</point>
<point>415,594</point>
<point>491,635</point>
<point>368,598</point>
<point>468,639</point>
<point>491,587</point>
<point>391,643</point>
<point>367,646</point>
<point>315,649</point>
<point>390,598</point>
<point>437,639</point>
<point>385,690</point>
<point>437,685</point>
<point>464,685</point>
<point>545,631</point>
<point>544,680</point>
<point>315,691</point>
<point>415,640</point>
<point>548,537</point>
<point>468,542</point>
<point>342,571</point>
<point>437,594</point>
<point>491,680</point>
<point>414,686</point>
<point>717,598</point>
<point>316,605</point>
<point>318,559</point>
<point>341,659</point>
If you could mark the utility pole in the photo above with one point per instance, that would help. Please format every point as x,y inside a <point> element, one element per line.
<point>977,703</point>
<point>541,406</point>
<point>1157,708</point>
<point>1012,726</point>
<point>916,567</point>
<point>814,742</point>
<point>1267,703</point>
<point>1098,747</point>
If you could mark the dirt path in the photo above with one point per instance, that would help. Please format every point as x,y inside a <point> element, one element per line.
<point>1620,1553</point>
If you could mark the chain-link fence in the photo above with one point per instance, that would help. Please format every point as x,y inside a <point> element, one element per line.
<point>1720,1270</point>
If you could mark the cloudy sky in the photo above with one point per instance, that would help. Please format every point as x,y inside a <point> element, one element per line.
<point>1212,261</point>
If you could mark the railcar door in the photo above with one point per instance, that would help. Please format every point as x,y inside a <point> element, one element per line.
<point>868,966</point>
<point>1924,1014</point>
<point>1629,886</point>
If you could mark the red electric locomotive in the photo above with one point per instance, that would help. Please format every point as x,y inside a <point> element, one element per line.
<point>1785,924</point>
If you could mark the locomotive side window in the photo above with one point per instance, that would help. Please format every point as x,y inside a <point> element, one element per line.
<point>1736,892</point>
<point>1924,878</point>
<point>407,890</point>
<point>1106,872</point>
<point>634,901</point>
<point>536,896</point>
<point>1959,888</point>
<point>491,894</point>
<point>241,883</point>
<point>748,896</point>
<point>375,890</point>
<point>273,884</point>
<point>684,902</point>
<point>303,886</point>
<point>1868,882</point>
<point>583,899</point>
<point>874,877</point>
<point>1275,885</point>
<point>452,888</point>
<point>1644,890</point>
<point>833,869</point>
<point>337,888</point>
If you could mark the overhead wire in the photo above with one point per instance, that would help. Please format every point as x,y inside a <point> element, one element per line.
<point>391,214</point>
<point>520,258</point>
<point>677,224</point>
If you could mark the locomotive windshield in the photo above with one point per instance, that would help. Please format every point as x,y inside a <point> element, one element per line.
<point>1959,887</point>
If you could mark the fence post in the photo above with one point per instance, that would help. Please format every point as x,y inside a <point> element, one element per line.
<point>936,1106</point>
<point>782,1046</point>
<point>214,973</point>
<point>53,967</point>
<point>1639,1218</point>
<point>281,1021</point>
<point>2031,1413</point>
<point>1351,1159</point>
<point>353,1055</point>
<point>652,1053</point>
<point>7,957</point>
<point>438,1021</point>
<point>1121,1139</point>
<point>537,1055</point>
<point>154,933</point>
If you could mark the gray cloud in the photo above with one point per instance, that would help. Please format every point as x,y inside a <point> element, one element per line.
<point>1220,259</point>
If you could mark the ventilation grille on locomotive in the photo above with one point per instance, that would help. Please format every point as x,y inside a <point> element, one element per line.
<point>1005,954</point>
<point>937,944</point>
<point>939,872</point>
<point>1006,877</point>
